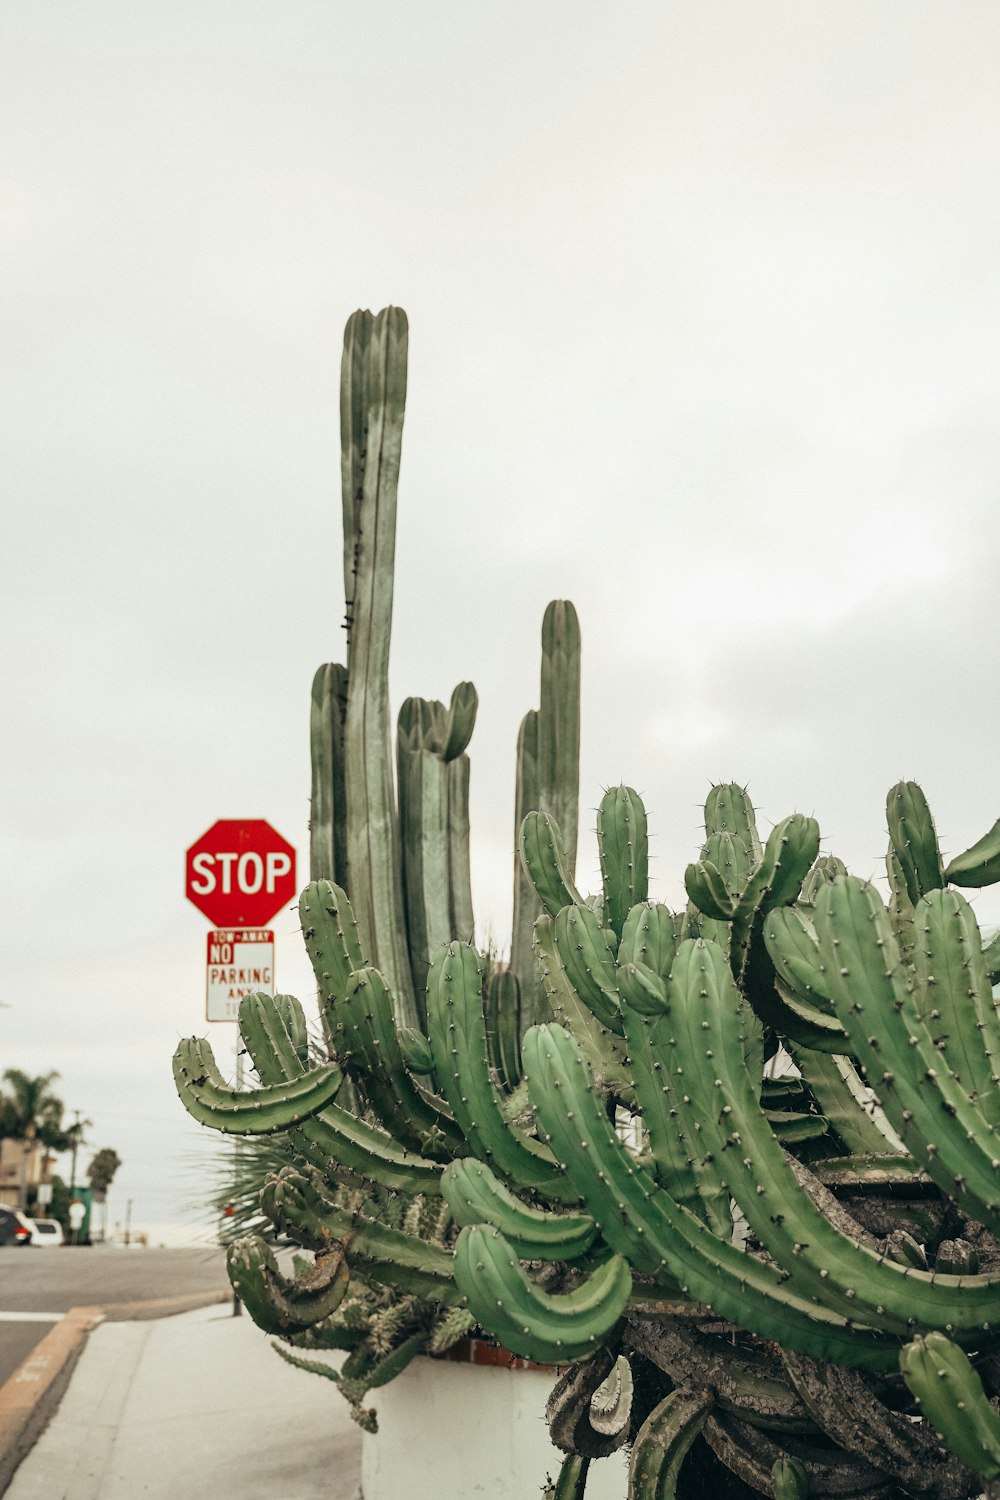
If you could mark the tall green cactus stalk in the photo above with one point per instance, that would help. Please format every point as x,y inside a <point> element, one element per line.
<point>328,808</point>
<point>548,780</point>
<point>433,773</point>
<point>372,403</point>
<point>779,1279</point>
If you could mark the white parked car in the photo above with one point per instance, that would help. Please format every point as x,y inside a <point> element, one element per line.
<point>48,1232</point>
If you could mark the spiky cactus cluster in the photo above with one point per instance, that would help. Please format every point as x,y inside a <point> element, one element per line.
<point>747,1191</point>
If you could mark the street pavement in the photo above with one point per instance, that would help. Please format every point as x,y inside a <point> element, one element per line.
<point>38,1286</point>
<point>197,1405</point>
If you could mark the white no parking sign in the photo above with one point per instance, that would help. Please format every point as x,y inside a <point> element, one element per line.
<point>240,959</point>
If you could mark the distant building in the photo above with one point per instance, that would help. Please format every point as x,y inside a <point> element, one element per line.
<point>24,1165</point>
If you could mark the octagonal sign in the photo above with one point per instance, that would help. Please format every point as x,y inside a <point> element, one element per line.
<point>240,873</point>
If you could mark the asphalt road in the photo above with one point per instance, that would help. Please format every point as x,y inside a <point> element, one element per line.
<point>51,1281</point>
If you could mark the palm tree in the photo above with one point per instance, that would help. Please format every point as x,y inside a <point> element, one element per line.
<point>30,1112</point>
<point>102,1170</point>
<point>101,1173</point>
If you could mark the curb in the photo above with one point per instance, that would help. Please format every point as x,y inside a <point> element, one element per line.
<point>29,1398</point>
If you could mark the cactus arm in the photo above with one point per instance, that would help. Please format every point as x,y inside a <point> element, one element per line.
<point>730,855</point>
<point>602,1047</point>
<point>372,827</point>
<point>801,1009</point>
<point>353,444</point>
<point>589,962</point>
<point>293,1021</point>
<point>342,1340</point>
<point>826,868</point>
<point>416,1051</point>
<point>790,940</point>
<point>722,1120</point>
<point>954,995</point>
<point>914,839</point>
<point>458,1042</point>
<point>728,809</point>
<point>802,1023</point>
<point>953,1401</point>
<point>423,815</point>
<point>790,851</point>
<point>377,1372</point>
<point>623,847</point>
<point>716,881</point>
<point>502,1010</point>
<point>559,721</point>
<point>571,1481</point>
<point>327,808</point>
<point>708,892</point>
<point>543,1326</point>
<point>900,906</point>
<point>980,864</point>
<point>291,1199</point>
<point>276,1304</point>
<point>462,914</point>
<point>846,1104</point>
<point>648,938</point>
<point>648,1039</point>
<point>262,1111</point>
<point>362,1025</point>
<point>334,1138</point>
<point>662,1443</point>
<point>940,1125</point>
<point>642,989</point>
<point>540,843</point>
<point>476,1196</point>
<point>640,1220</point>
<point>779,1005</point>
<point>797,1005</point>
<point>331,937</point>
<point>349,1145</point>
<point>460,720</point>
<point>526,906</point>
<point>790,1479</point>
<point>265,1032</point>
<point>548,751</point>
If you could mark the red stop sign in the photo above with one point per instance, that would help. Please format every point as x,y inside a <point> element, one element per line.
<point>240,873</point>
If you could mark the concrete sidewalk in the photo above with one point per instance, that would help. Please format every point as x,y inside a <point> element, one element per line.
<point>197,1405</point>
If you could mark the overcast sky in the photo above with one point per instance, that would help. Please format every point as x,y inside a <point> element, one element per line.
<point>704,335</point>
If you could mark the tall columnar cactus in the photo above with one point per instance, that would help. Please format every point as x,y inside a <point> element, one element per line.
<point>747,1193</point>
<point>400,846</point>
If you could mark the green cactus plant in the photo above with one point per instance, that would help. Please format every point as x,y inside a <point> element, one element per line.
<point>733,1167</point>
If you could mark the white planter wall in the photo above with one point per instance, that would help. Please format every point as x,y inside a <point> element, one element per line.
<point>459,1431</point>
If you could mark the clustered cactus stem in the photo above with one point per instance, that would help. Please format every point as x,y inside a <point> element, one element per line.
<point>733,1169</point>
